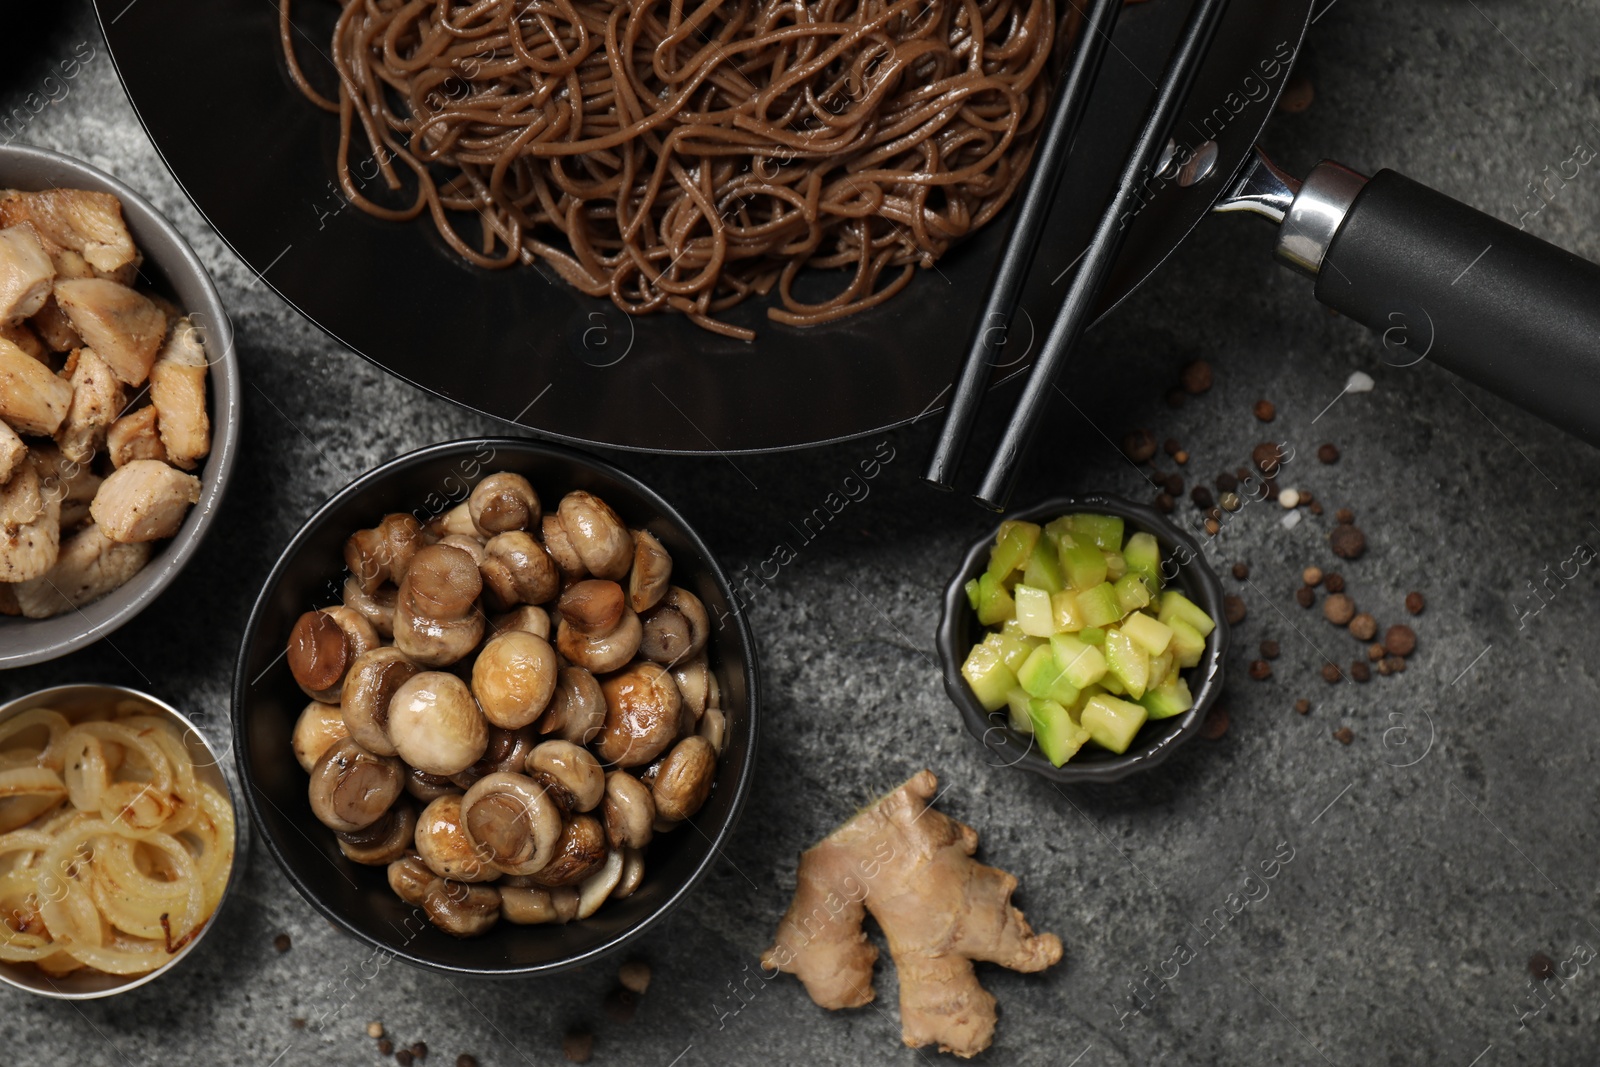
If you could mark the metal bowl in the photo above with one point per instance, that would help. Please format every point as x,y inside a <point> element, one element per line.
<point>959,629</point>
<point>267,702</point>
<point>172,269</point>
<point>210,767</point>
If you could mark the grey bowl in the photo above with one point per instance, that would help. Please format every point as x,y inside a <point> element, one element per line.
<point>959,629</point>
<point>172,269</point>
<point>210,767</point>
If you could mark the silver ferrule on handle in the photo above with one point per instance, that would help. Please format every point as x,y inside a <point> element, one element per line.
<point>1308,213</point>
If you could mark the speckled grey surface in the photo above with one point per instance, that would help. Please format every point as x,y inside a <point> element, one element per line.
<point>1401,930</point>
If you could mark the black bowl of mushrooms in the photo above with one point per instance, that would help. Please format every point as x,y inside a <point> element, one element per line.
<point>481,693</point>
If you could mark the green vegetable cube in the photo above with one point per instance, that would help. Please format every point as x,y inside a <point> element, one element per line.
<point>988,676</point>
<point>1153,635</point>
<point>1044,567</point>
<point>1187,643</point>
<point>1132,593</point>
<point>1013,647</point>
<point>1163,668</point>
<point>1143,553</point>
<point>1113,685</point>
<point>1166,700</point>
<point>1083,564</point>
<point>1104,530</point>
<point>1034,613</point>
<point>1174,605</point>
<point>1042,676</point>
<point>1112,722</point>
<point>1012,547</point>
<point>972,593</point>
<point>994,603</point>
<point>1099,605</point>
<point>1116,565</point>
<point>1064,605</point>
<point>1092,635</point>
<point>1128,662</point>
<point>1017,711</point>
<point>1080,664</point>
<point>1058,737</point>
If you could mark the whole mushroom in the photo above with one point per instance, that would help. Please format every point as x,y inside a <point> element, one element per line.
<point>384,841</point>
<point>629,811</point>
<point>533,904</point>
<point>321,647</point>
<point>517,570</point>
<point>592,607</point>
<point>409,878</point>
<point>369,686</point>
<point>570,774</point>
<point>602,653</point>
<point>351,788</point>
<point>534,620</point>
<point>435,724</point>
<point>693,678</point>
<point>458,520</point>
<point>684,781</point>
<point>580,852</point>
<point>514,678</point>
<point>510,821</point>
<point>468,544</point>
<point>651,573</point>
<point>577,710</point>
<point>319,728</point>
<point>436,619</point>
<point>383,553</point>
<point>643,709</point>
<point>459,909</point>
<point>562,551</point>
<point>501,502</point>
<point>597,535</point>
<point>377,607</point>
<point>442,843</point>
<point>676,630</point>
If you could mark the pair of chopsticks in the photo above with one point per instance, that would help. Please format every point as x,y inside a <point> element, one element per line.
<point>1094,265</point>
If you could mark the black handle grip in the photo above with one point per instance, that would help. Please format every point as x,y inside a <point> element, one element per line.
<point>1500,307</point>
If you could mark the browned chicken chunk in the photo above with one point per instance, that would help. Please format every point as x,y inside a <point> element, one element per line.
<point>96,402</point>
<point>74,484</point>
<point>135,436</point>
<point>26,274</point>
<point>88,223</point>
<point>32,400</point>
<point>30,527</point>
<point>19,334</point>
<point>88,566</point>
<point>124,327</point>
<point>54,328</point>
<point>145,500</point>
<point>13,450</point>
<point>178,393</point>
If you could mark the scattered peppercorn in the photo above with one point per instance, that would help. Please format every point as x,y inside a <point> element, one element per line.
<point>1180,457</point>
<point>1384,668</point>
<point>385,1046</point>
<point>281,942</point>
<point>1328,453</point>
<point>1400,640</point>
<point>1215,514</point>
<point>1396,664</point>
<point>1375,651</point>
<point>466,1059</point>
<point>1363,626</point>
<point>1303,706</point>
<point>1241,473</point>
<point>1330,673</point>
<point>1541,966</point>
<point>1139,445</point>
<point>1333,582</point>
<point>1171,446</point>
<point>1197,377</point>
<point>1344,735</point>
<point>1241,571</point>
<point>1233,609</point>
<point>1231,502</point>
<point>1305,496</point>
<point>420,1050</point>
<point>1347,542</point>
<point>1269,649</point>
<point>1344,516</point>
<point>1174,484</point>
<point>1311,576</point>
<point>1304,596</point>
<point>375,1029</point>
<point>403,1057</point>
<point>1202,497</point>
<point>578,1046</point>
<point>1227,483</point>
<point>634,976</point>
<point>1298,93</point>
<point>1266,456</point>
<point>1260,670</point>
<point>1266,411</point>
<point>1414,603</point>
<point>1360,671</point>
<point>1216,724</point>
<point>1315,508</point>
<point>621,1005</point>
<point>1164,503</point>
<point>1338,609</point>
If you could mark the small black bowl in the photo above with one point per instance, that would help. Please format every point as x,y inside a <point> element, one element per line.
<point>959,629</point>
<point>266,703</point>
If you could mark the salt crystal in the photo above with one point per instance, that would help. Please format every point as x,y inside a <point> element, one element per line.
<point>1290,520</point>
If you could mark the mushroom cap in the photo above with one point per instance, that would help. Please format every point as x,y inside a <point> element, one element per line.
<point>597,535</point>
<point>369,685</point>
<point>593,606</point>
<point>643,709</point>
<point>437,642</point>
<point>510,821</point>
<point>580,851</point>
<point>442,843</point>
<point>383,553</point>
<point>632,873</point>
<point>577,711</point>
<point>534,620</point>
<point>651,572</point>
<point>684,781</point>
<point>693,678</point>
<point>459,909</point>
<point>351,788</point>
<point>604,653</point>
<point>319,728</point>
<point>321,646</point>
<point>429,787</point>
<point>377,607</point>
<point>384,841</point>
<point>514,678</point>
<point>569,773</point>
<point>533,904</point>
<point>466,543</point>
<point>561,550</point>
<point>677,629</point>
<point>517,569</point>
<point>409,877</point>
<point>503,501</point>
<point>441,583</point>
<point>629,811</point>
<point>435,724</point>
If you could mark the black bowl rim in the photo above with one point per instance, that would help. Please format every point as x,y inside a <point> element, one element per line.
<point>1014,752</point>
<point>397,466</point>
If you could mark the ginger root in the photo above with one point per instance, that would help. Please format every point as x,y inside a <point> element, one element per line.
<point>912,868</point>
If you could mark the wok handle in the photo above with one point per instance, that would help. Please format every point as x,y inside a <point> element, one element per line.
<point>1494,304</point>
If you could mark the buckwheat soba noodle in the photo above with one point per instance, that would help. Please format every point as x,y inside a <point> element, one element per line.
<point>683,156</point>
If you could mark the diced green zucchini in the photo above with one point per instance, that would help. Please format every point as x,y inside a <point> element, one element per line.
<point>1116,565</point>
<point>1093,635</point>
<point>1057,529</point>
<point>1017,711</point>
<point>1012,546</point>
<point>1128,662</point>
<point>972,593</point>
<point>1174,605</point>
<point>1042,676</point>
<point>1143,553</point>
<point>1064,605</point>
<point>1167,700</point>
<point>988,676</point>
<point>1099,605</point>
<point>1153,635</point>
<point>1112,723</point>
<point>1081,664</point>
<point>1104,530</point>
<point>1044,567</point>
<point>1034,613</point>
<point>994,603</point>
<point>1058,737</point>
<point>1187,644</point>
<point>1013,647</point>
<point>1112,684</point>
<point>1163,668</point>
<point>1132,593</point>
<point>1083,564</point>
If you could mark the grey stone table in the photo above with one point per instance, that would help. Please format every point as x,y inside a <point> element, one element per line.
<point>1402,928</point>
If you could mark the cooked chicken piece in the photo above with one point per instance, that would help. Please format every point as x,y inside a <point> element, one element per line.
<point>89,566</point>
<point>19,334</point>
<point>32,400</point>
<point>145,500</point>
<point>8,600</point>
<point>54,328</point>
<point>96,402</point>
<point>30,527</point>
<point>13,450</point>
<point>88,223</point>
<point>122,326</point>
<point>74,484</point>
<point>135,436</point>
<point>178,393</point>
<point>26,274</point>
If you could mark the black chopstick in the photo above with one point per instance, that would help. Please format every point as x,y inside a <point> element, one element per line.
<point>1022,238</point>
<point>1094,266</point>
